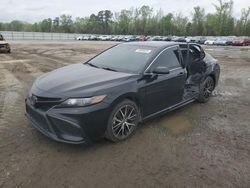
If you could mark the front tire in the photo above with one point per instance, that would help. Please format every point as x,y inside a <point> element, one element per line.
<point>206,89</point>
<point>123,121</point>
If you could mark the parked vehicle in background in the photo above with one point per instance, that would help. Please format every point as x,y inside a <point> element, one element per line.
<point>210,41</point>
<point>79,38</point>
<point>188,39</point>
<point>141,38</point>
<point>92,37</point>
<point>223,41</point>
<point>120,38</point>
<point>198,40</point>
<point>167,38</point>
<point>85,38</point>
<point>156,38</point>
<point>129,38</point>
<point>243,41</point>
<point>4,46</point>
<point>179,39</point>
<point>114,38</point>
<point>104,37</point>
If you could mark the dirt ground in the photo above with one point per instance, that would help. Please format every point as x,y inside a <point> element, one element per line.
<point>200,145</point>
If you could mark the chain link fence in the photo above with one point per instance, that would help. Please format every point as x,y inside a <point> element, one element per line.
<point>16,35</point>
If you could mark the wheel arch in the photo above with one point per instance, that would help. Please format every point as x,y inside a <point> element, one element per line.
<point>129,96</point>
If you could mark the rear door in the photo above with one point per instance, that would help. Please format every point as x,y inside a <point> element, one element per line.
<point>165,90</point>
<point>196,62</point>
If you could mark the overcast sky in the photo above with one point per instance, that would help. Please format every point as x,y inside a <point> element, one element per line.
<point>33,10</point>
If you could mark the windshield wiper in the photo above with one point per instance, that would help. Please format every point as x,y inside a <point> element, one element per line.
<point>107,68</point>
<point>92,65</point>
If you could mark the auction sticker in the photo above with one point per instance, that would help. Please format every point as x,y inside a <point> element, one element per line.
<point>145,51</point>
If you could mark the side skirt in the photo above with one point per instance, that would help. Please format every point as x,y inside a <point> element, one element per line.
<point>176,106</point>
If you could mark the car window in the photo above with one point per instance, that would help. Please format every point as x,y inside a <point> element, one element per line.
<point>124,58</point>
<point>168,58</point>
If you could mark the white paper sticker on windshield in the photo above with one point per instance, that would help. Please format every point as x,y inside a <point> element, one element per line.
<point>145,51</point>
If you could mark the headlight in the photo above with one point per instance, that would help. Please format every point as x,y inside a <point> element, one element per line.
<point>79,102</point>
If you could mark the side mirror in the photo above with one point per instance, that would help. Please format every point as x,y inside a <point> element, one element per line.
<point>161,70</point>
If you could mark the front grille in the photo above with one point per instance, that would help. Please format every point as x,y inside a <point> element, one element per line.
<point>38,118</point>
<point>2,45</point>
<point>47,99</point>
<point>44,103</point>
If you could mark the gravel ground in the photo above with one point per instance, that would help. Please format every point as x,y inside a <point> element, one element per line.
<point>200,145</point>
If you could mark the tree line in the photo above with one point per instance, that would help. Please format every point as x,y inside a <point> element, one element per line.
<point>145,21</point>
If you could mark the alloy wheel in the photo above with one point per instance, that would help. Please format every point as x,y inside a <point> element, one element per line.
<point>208,88</point>
<point>124,121</point>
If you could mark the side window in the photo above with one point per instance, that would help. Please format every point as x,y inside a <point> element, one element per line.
<point>169,58</point>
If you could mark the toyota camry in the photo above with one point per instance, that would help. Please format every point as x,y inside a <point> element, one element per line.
<point>110,94</point>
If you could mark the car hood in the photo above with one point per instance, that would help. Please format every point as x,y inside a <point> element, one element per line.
<point>78,80</point>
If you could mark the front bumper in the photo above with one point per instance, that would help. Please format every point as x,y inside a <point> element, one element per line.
<point>70,125</point>
<point>4,48</point>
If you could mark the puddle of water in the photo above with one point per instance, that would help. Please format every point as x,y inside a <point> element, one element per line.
<point>176,124</point>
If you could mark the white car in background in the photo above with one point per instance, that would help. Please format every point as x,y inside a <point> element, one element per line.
<point>79,38</point>
<point>104,37</point>
<point>188,39</point>
<point>210,41</point>
<point>4,46</point>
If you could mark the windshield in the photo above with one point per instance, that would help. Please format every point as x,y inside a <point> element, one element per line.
<point>123,58</point>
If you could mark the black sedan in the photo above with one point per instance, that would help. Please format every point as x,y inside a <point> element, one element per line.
<point>114,91</point>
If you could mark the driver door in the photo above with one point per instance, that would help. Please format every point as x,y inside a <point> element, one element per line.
<point>165,90</point>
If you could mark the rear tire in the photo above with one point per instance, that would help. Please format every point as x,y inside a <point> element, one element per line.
<point>206,89</point>
<point>123,121</point>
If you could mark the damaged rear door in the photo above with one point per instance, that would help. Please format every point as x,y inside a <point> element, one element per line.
<point>196,68</point>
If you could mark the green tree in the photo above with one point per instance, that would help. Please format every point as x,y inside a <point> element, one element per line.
<point>180,23</point>
<point>124,21</point>
<point>66,23</point>
<point>145,12</point>
<point>15,26</point>
<point>211,25</point>
<point>242,24</point>
<point>198,21</point>
<point>224,16</point>
<point>80,25</point>
<point>104,18</point>
<point>56,24</point>
<point>144,21</point>
<point>166,24</point>
<point>46,25</point>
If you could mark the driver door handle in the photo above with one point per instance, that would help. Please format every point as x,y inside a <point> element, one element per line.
<point>181,73</point>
